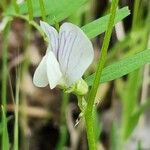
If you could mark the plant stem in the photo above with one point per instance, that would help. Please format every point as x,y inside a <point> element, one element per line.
<point>16,6</point>
<point>30,9</point>
<point>4,65</point>
<point>3,5</point>
<point>63,127</point>
<point>16,112</point>
<point>42,8</point>
<point>5,139</point>
<point>33,23</point>
<point>135,13</point>
<point>91,99</point>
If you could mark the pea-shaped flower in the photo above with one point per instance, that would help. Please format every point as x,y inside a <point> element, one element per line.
<point>68,55</point>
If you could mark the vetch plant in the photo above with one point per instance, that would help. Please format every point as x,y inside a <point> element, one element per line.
<point>68,55</point>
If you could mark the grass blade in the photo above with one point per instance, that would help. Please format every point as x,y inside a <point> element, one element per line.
<point>55,10</point>
<point>98,26</point>
<point>122,67</point>
<point>5,138</point>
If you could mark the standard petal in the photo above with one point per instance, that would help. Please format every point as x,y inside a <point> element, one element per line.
<point>75,52</point>
<point>52,35</point>
<point>53,70</point>
<point>40,76</point>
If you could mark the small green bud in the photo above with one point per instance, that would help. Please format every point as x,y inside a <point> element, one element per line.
<point>79,88</point>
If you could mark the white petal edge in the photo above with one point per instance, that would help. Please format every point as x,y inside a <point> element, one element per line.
<point>53,70</point>
<point>52,35</point>
<point>40,76</point>
<point>77,53</point>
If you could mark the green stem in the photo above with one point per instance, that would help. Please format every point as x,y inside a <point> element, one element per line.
<point>16,112</point>
<point>4,65</point>
<point>16,6</point>
<point>63,128</point>
<point>135,13</point>
<point>30,9</point>
<point>91,99</point>
<point>3,5</point>
<point>33,23</point>
<point>5,140</point>
<point>42,8</point>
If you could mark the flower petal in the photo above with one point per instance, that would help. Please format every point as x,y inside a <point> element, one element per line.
<point>75,52</point>
<point>52,35</point>
<point>53,70</point>
<point>40,76</point>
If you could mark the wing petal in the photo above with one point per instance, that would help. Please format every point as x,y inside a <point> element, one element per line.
<point>75,52</point>
<point>52,35</point>
<point>53,70</point>
<point>40,76</point>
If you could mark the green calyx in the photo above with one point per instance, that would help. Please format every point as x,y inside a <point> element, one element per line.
<point>79,88</point>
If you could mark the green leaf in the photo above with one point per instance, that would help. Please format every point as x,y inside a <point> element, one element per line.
<point>134,118</point>
<point>99,26</point>
<point>56,10</point>
<point>122,67</point>
<point>130,102</point>
<point>115,138</point>
<point>5,138</point>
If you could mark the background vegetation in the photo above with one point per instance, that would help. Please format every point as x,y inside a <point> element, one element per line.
<point>43,119</point>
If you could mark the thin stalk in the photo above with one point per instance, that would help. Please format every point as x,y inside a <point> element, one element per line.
<point>2,5</point>
<point>16,139</point>
<point>135,13</point>
<point>4,65</point>
<point>30,9</point>
<point>91,99</point>
<point>23,119</point>
<point>42,8</point>
<point>5,140</point>
<point>33,23</point>
<point>63,128</point>
<point>16,6</point>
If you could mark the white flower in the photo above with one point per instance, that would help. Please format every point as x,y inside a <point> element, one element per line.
<point>68,55</point>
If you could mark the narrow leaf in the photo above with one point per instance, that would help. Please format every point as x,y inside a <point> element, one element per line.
<point>134,118</point>
<point>5,138</point>
<point>99,26</point>
<point>122,67</point>
<point>56,10</point>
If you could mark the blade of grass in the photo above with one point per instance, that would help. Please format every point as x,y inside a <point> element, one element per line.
<point>122,67</point>
<point>16,139</point>
<point>16,6</point>
<point>98,26</point>
<point>5,138</point>
<point>134,83</point>
<point>55,10</point>
<point>4,64</point>
<point>130,102</point>
<point>30,9</point>
<point>42,8</point>
<point>3,5</point>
